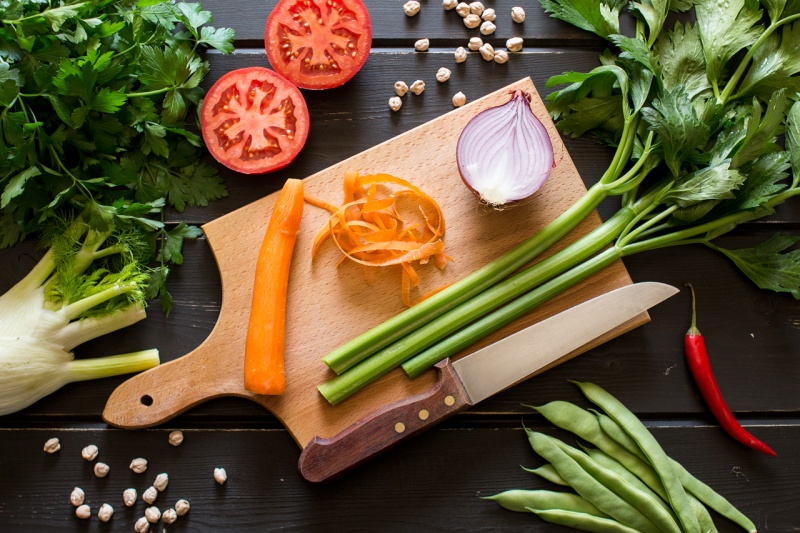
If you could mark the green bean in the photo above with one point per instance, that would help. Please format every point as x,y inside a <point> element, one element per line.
<point>619,435</point>
<point>586,425</point>
<point>694,486</point>
<point>647,505</point>
<point>587,486</point>
<point>650,447</point>
<point>584,522</point>
<point>542,500</point>
<point>548,472</point>
<point>609,463</point>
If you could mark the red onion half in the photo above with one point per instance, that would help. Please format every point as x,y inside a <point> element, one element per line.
<point>504,153</point>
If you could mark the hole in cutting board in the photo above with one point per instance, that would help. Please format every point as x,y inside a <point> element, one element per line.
<point>146,400</point>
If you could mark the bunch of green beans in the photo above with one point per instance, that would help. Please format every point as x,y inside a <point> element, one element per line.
<point>622,478</point>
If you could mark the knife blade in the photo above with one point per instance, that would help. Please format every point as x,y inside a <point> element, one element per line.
<point>473,378</point>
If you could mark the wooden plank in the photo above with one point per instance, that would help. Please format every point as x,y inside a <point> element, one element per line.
<point>432,483</point>
<point>753,349</point>
<point>391,26</point>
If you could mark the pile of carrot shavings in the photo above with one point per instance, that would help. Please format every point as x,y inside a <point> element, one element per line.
<point>385,221</point>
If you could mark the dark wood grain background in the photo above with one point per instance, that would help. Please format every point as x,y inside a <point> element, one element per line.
<point>433,483</point>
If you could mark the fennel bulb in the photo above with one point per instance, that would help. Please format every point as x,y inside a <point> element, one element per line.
<point>78,291</point>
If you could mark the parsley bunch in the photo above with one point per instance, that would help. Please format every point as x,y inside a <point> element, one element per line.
<point>96,98</point>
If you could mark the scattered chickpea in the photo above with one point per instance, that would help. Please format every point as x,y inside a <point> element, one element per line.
<point>395,103</point>
<point>476,8</point>
<point>176,438</point>
<point>83,512</point>
<point>514,44</point>
<point>460,54</point>
<point>400,88</point>
<point>449,4</point>
<point>181,507</point>
<point>52,445</point>
<point>475,43</point>
<point>422,45</point>
<point>488,27</point>
<point>459,99</point>
<point>472,21</point>
<point>101,469</point>
<point>161,482</point>
<point>152,514</point>
<point>105,513</point>
<point>141,525</point>
<point>463,9</point>
<point>489,14</point>
<point>487,52</point>
<point>129,497</point>
<point>500,57</point>
<point>139,465</point>
<point>220,476</point>
<point>417,87</point>
<point>90,452</point>
<point>169,516</point>
<point>411,7</point>
<point>517,14</point>
<point>443,75</point>
<point>150,495</point>
<point>77,496</point>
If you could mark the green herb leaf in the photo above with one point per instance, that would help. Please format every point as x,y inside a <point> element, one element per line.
<point>597,17</point>
<point>172,243</point>
<point>767,266</point>
<point>679,61</point>
<point>774,64</point>
<point>16,185</point>
<point>654,13</point>
<point>709,183</point>
<point>793,138</point>
<point>681,131</point>
<point>219,38</point>
<point>725,29</point>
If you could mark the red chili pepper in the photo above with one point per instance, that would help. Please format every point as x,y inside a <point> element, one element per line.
<point>700,366</point>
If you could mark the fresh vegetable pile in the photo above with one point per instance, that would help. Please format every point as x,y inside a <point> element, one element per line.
<point>622,478</point>
<point>97,101</point>
<point>694,112</point>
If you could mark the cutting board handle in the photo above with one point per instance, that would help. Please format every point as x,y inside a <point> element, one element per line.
<point>324,459</point>
<point>163,392</point>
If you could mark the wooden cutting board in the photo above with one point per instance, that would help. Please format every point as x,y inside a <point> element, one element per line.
<point>329,305</point>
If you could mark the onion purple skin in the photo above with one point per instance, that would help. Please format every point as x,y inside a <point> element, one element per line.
<point>504,153</point>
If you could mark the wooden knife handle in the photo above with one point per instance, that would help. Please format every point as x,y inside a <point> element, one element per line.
<point>323,459</point>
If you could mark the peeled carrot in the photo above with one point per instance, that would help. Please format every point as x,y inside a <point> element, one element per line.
<point>266,331</point>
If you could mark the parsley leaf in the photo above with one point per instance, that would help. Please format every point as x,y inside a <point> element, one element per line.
<point>679,61</point>
<point>173,242</point>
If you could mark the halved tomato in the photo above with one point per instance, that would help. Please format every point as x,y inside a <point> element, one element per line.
<point>318,44</point>
<point>254,121</point>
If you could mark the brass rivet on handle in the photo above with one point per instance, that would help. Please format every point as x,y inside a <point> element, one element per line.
<point>399,427</point>
<point>449,400</point>
<point>424,414</point>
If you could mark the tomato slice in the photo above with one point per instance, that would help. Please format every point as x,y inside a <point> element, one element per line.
<point>254,121</point>
<point>318,44</point>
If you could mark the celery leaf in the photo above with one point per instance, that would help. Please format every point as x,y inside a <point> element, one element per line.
<point>725,29</point>
<point>601,18</point>
<point>767,267</point>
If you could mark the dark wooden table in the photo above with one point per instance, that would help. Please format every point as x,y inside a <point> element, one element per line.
<point>433,483</point>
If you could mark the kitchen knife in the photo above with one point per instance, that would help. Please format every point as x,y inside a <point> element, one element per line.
<point>473,378</point>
